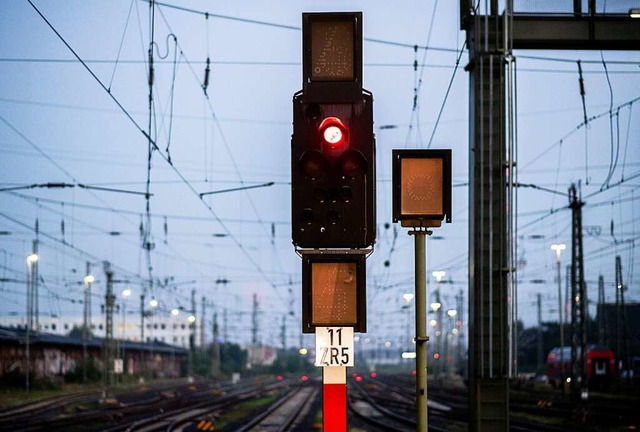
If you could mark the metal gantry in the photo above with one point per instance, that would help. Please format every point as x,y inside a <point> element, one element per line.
<point>491,35</point>
<point>579,317</point>
<point>488,240</point>
<point>108,347</point>
<point>622,349</point>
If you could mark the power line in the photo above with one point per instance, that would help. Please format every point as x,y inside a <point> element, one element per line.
<point>290,63</point>
<point>577,128</point>
<point>155,146</point>
<point>296,28</point>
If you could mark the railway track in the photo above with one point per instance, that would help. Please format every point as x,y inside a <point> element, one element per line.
<point>288,414</point>
<point>393,398</point>
<point>154,409</point>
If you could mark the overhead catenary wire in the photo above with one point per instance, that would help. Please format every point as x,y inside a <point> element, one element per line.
<point>574,130</point>
<point>417,83</point>
<point>155,147</point>
<point>446,95</point>
<point>222,135</point>
<point>296,64</point>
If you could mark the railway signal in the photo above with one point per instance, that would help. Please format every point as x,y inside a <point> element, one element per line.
<point>333,195</point>
<point>333,175</point>
<point>421,200</point>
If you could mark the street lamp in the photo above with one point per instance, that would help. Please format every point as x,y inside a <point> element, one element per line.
<point>407,298</point>
<point>451,313</point>
<point>438,274</point>
<point>125,295</point>
<point>153,303</point>
<point>175,312</point>
<point>437,307</point>
<point>31,260</point>
<point>558,248</point>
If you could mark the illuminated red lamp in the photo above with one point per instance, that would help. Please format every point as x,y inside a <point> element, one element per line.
<point>280,377</point>
<point>373,374</point>
<point>358,378</point>
<point>333,132</point>
<point>304,378</point>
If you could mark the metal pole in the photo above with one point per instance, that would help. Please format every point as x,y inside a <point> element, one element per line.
<point>143,366</point>
<point>86,320</point>
<point>421,327</point>
<point>36,287</point>
<point>540,353</point>
<point>561,322</point>
<point>27,354</point>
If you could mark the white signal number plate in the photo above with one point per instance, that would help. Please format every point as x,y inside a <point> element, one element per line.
<point>334,346</point>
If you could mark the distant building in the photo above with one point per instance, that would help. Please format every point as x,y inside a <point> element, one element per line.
<point>54,355</point>
<point>173,330</point>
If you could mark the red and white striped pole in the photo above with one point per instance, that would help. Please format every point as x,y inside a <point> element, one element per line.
<point>334,399</point>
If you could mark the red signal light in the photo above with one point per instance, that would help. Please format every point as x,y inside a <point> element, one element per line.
<point>333,132</point>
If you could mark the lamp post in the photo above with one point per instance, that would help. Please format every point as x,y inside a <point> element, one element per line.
<point>125,295</point>
<point>437,308</point>
<point>31,261</point>
<point>86,281</point>
<point>451,313</point>
<point>558,248</point>
<point>408,297</point>
<point>192,320</point>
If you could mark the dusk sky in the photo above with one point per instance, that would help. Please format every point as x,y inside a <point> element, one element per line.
<point>65,122</point>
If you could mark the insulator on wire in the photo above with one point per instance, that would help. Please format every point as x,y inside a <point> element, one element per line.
<point>151,71</point>
<point>207,70</point>
<point>580,79</point>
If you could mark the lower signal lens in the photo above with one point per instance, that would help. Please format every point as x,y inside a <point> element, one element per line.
<point>353,163</point>
<point>313,164</point>
<point>307,216</point>
<point>333,216</point>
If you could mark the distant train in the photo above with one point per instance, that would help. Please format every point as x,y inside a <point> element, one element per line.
<point>601,366</point>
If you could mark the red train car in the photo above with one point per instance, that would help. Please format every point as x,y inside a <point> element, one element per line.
<point>601,366</point>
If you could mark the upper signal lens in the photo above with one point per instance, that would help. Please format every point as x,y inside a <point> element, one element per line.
<point>333,132</point>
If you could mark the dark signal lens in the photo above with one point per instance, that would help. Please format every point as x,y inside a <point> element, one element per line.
<point>353,163</point>
<point>313,164</point>
<point>333,132</point>
<point>346,194</point>
<point>307,216</point>
<point>333,216</point>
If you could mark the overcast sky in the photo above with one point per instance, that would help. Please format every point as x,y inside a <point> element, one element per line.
<point>63,122</point>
